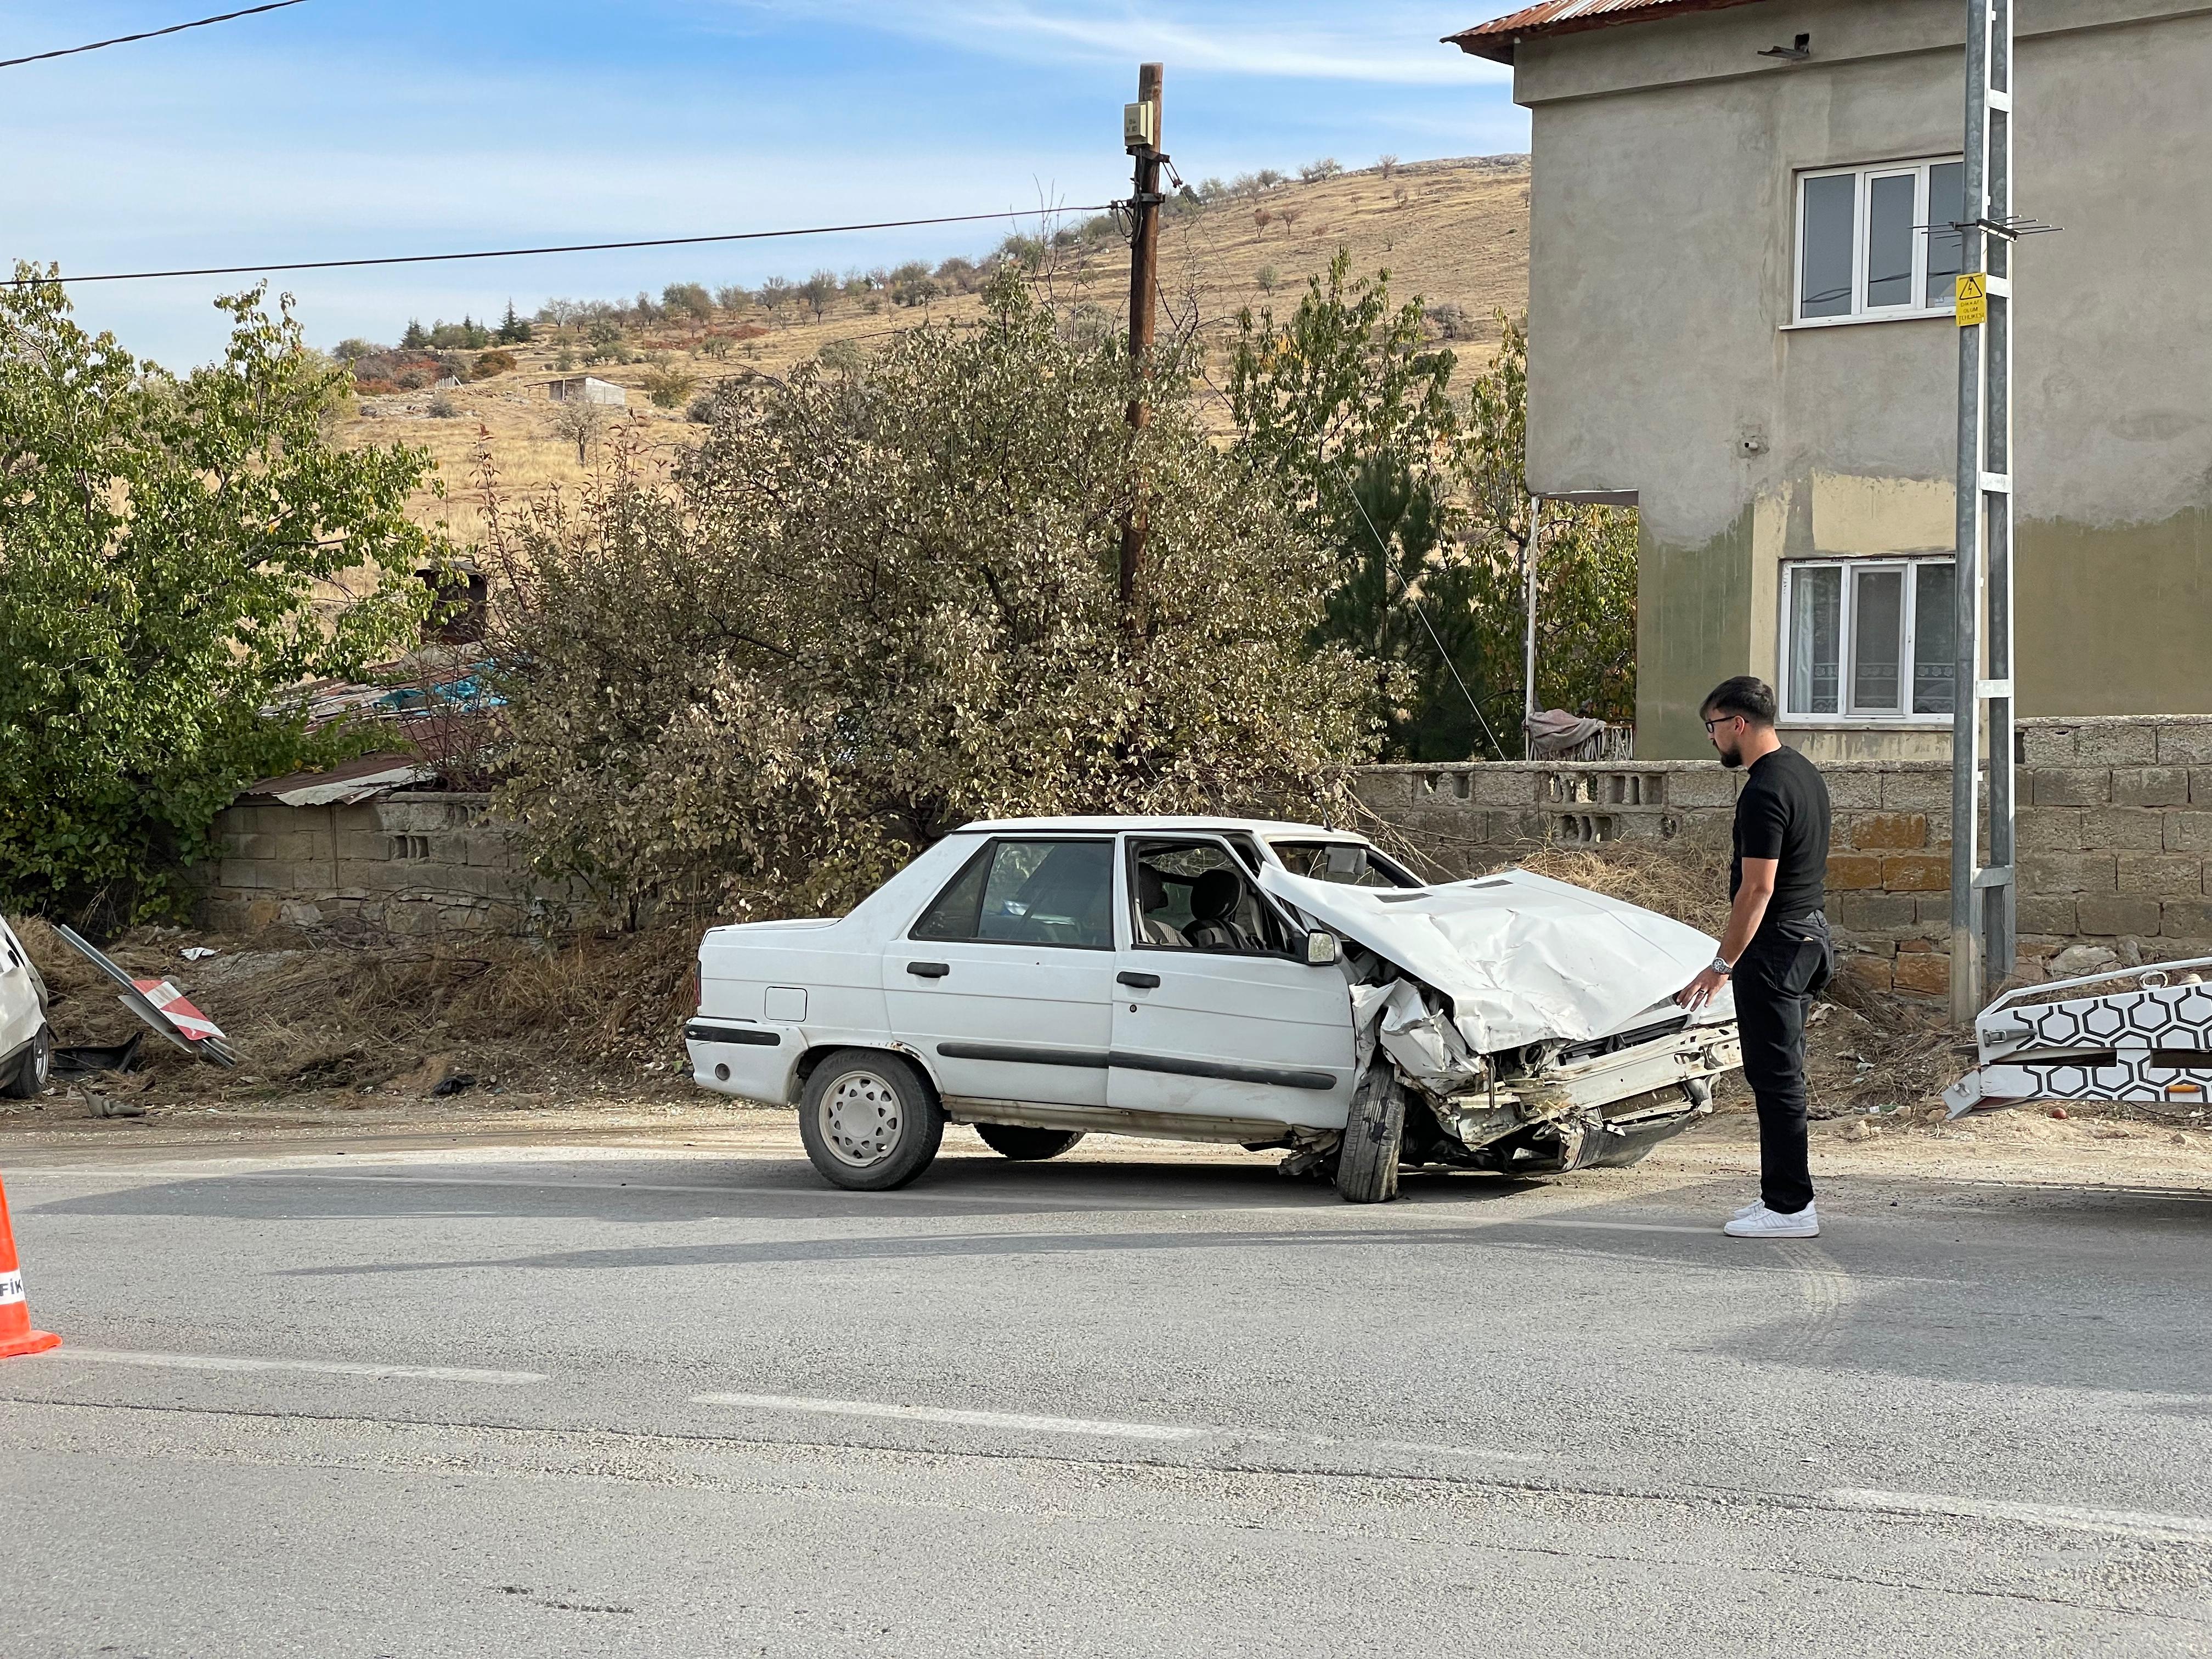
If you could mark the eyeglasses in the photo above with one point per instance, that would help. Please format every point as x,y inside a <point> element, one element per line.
<point>1722,720</point>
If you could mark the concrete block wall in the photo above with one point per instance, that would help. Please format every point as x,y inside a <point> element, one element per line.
<point>2115,828</point>
<point>406,864</point>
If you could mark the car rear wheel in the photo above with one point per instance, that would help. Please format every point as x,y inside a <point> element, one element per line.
<point>1373,1130</point>
<point>32,1069</point>
<point>869,1121</point>
<point>1024,1144</point>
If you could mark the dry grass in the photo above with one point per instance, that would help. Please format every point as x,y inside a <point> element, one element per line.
<point>1458,235</point>
<point>306,1016</point>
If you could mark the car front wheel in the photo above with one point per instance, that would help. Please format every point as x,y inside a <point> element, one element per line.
<point>1374,1132</point>
<point>33,1070</point>
<point>1024,1144</point>
<point>869,1121</point>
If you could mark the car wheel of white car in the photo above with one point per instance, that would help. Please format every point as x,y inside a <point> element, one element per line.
<point>33,1070</point>
<point>1374,1130</point>
<point>869,1121</point>
<point>1024,1144</point>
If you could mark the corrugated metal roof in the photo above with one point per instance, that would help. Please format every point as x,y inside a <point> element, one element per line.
<point>1495,40</point>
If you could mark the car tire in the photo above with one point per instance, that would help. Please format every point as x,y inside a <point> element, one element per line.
<point>34,1068</point>
<point>869,1121</point>
<point>1024,1144</point>
<point>1373,1130</point>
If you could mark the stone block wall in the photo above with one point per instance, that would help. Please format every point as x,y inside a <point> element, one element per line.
<point>404,865</point>
<point>2114,817</point>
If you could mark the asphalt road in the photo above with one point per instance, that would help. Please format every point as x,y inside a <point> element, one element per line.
<point>651,1400</point>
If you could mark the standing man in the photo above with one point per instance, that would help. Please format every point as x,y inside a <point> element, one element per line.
<point>1776,950</point>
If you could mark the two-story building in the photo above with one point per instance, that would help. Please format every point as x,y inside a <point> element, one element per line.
<point>1740,279</point>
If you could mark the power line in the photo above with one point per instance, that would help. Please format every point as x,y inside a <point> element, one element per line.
<point>522,253</point>
<point>150,35</point>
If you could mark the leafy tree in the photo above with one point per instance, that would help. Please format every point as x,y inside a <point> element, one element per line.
<point>580,421</point>
<point>775,294</point>
<point>873,605</point>
<point>688,299</point>
<point>669,383</point>
<point>175,553</point>
<point>732,297</point>
<point>514,330</point>
<point>1585,555</point>
<point>416,338</point>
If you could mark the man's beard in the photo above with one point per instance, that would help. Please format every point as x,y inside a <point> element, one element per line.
<point>1731,758</point>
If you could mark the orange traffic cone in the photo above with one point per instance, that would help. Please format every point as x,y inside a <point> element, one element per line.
<point>16,1336</point>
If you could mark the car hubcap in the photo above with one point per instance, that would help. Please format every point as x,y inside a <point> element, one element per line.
<point>860,1119</point>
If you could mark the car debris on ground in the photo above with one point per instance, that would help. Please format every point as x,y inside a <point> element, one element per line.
<point>2149,1045</point>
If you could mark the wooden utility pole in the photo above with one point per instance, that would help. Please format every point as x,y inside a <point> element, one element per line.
<point>1140,132</point>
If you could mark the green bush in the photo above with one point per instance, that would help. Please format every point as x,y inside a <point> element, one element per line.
<point>169,547</point>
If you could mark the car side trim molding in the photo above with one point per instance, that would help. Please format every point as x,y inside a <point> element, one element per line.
<point>1281,1076</point>
<point>1022,1053</point>
<point>1017,1053</point>
<point>752,1036</point>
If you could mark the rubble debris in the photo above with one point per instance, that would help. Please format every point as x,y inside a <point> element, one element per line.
<point>90,1060</point>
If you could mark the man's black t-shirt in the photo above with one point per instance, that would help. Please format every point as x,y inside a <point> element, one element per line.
<point>1782,814</point>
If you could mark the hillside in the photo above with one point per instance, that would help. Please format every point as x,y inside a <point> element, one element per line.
<point>1452,232</point>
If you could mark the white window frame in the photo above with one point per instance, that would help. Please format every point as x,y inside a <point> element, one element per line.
<point>1861,231</point>
<point>1846,626</point>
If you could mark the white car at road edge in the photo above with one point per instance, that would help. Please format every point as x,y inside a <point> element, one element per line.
<point>1272,985</point>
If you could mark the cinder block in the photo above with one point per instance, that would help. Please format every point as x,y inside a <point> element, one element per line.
<point>1918,791</point>
<point>2069,872</point>
<point>1923,973</point>
<point>2049,829</point>
<point>2200,786</point>
<point>2106,915</point>
<point>1868,969</point>
<point>2117,742</point>
<point>2072,786</point>
<point>1876,913</point>
<point>2189,832</point>
<point>494,849</point>
<point>2122,829</point>
<point>1916,872</point>
<point>246,875</point>
<point>1504,785</point>
<point>1855,789</point>
<point>398,816</point>
<point>2043,744</point>
<point>2184,743</point>
<point>2052,917</point>
<point>1854,871</point>
<point>1899,831</point>
<point>2188,919</point>
<point>2150,786</point>
<point>2169,875</point>
<point>1701,788</point>
<point>1383,787</point>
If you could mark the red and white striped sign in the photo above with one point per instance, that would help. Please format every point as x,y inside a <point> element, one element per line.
<point>191,1023</point>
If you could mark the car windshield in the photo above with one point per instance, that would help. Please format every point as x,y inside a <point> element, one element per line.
<point>1351,863</point>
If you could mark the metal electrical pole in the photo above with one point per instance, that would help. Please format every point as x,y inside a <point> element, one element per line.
<point>1140,134</point>
<point>1982,907</point>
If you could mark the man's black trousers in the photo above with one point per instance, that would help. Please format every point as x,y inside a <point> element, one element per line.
<point>1785,967</point>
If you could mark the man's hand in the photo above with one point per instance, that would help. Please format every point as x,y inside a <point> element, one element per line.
<point>1701,990</point>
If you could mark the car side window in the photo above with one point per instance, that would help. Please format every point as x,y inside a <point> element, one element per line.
<point>1196,896</point>
<point>1029,892</point>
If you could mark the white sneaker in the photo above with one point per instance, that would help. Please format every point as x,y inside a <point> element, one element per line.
<point>1752,1209</point>
<point>1763,1223</point>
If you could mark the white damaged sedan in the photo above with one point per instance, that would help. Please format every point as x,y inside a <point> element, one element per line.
<point>1273,985</point>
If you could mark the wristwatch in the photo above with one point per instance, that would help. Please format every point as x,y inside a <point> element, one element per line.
<point>1721,967</point>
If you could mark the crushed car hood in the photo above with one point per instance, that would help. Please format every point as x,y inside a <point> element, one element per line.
<point>1521,958</point>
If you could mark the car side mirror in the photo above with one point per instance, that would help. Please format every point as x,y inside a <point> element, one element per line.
<point>1322,949</point>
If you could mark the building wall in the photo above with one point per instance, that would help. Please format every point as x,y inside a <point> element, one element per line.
<point>1662,243</point>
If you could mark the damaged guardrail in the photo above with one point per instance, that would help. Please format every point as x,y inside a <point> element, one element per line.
<point>2151,1045</point>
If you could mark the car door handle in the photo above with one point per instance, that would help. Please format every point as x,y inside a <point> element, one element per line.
<point>1140,981</point>
<point>929,969</point>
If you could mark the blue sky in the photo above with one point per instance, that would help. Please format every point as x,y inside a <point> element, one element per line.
<point>347,127</point>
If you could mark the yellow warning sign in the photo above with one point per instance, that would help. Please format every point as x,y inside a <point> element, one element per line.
<point>1973,300</point>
